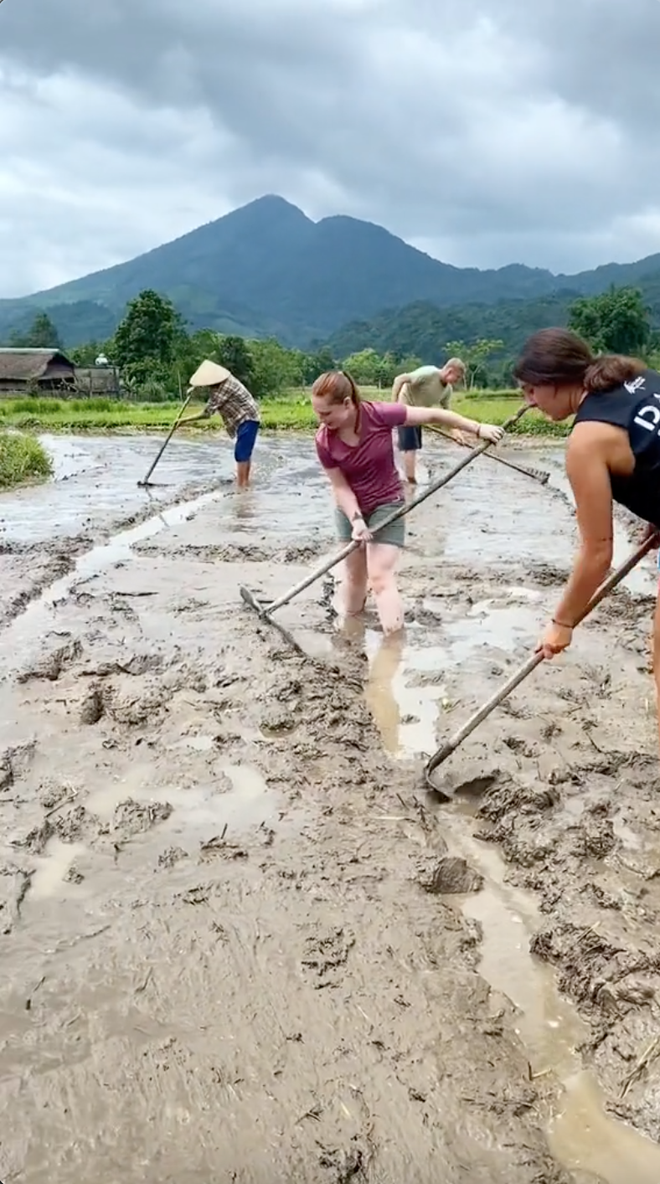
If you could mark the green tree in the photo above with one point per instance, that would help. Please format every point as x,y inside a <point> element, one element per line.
<point>275,368</point>
<point>476,358</point>
<point>366,367</point>
<point>318,363</point>
<point>148,339</point>
<point>41,334</point>
<point>86,355</point>
<point>615,322</point>
<point>234,353</point>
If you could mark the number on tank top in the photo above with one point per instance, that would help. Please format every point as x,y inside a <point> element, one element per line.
<point>648,417</point>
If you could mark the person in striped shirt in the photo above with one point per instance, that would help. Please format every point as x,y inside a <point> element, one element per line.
<point>232,400</point>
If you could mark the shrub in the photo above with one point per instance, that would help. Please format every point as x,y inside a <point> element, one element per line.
<point>22,458</point>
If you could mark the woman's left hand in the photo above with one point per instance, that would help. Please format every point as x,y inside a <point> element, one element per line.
<point>554,639</point>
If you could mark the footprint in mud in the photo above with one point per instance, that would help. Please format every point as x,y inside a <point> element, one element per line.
<point>50,666</point>
<point>451,875</point>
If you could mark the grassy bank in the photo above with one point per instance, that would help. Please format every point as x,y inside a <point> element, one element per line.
<point>22,459</point>
<point>290,411</point>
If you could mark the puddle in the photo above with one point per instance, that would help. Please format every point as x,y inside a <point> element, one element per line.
<point>406,712</point>
<point>51,869</point>
<point>96,479</point>
<point>483,626</point>
<point>34,620</point>
<point>249,803</point>
<point>405,715</point>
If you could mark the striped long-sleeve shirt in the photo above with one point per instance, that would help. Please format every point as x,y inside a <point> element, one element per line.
<point>234,403</point>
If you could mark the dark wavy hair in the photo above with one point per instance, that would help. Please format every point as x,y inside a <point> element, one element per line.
<point>557,357</point>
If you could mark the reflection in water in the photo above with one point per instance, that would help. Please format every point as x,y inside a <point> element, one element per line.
<point>406,715</point>
<point>379,690</point>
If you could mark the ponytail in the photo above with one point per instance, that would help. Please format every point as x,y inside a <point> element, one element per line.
<point>558,357</point>
<point>337,385</point>
<point>610,370</point>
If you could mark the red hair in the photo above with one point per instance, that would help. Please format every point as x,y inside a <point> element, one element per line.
<point>337,385</point>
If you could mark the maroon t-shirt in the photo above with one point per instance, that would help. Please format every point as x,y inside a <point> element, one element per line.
<point>369,465</point>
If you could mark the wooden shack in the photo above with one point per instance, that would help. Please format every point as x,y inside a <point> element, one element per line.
<point>24,370</point>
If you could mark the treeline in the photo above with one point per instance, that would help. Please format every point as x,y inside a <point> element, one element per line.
<point>156,354</point>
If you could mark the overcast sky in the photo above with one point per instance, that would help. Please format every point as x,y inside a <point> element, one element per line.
<point>484,131</point>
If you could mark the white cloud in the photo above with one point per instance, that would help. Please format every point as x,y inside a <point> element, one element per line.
<point>485,131</point>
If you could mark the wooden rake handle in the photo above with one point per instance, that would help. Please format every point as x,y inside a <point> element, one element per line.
<point>536,474</point>
<point>400,513</point>
<point>163,446</point>
<point>535,660</point>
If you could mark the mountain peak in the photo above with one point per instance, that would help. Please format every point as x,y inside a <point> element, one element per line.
<point>266,269</point>
<point>270,208</point>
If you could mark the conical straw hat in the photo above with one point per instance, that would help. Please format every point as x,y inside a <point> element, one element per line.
<point>209,374</point>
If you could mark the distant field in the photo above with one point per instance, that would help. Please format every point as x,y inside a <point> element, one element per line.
<point>289,411</point>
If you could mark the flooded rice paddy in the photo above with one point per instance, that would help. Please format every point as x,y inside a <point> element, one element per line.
<point>239,940</point>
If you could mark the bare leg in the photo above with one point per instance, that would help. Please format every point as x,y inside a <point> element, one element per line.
<point>354,583</point>
<point>382,560</point>
<point>409,467</point>
<point>243,474</point>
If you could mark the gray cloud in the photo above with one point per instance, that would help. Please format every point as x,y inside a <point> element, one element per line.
<point>485,131</point>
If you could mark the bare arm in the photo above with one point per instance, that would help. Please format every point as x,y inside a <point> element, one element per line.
<point>398,387</point>
<point>195,418</point>
<point>416,417</point>
<point>344,497</point>
<point>589,475</point>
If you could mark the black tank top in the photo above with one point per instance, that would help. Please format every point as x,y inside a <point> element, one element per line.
<point>635,407</point>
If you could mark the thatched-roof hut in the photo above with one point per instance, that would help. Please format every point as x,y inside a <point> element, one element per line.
<point>29,369</point>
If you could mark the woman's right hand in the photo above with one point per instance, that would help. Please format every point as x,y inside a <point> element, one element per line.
<point>360,531</point>
<point>488,431</point>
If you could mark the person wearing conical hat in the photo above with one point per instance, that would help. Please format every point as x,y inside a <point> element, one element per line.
<point>238,408</point>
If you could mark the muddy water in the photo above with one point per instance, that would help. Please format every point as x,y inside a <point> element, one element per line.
<point>236,933</point>
<point>96,479</point>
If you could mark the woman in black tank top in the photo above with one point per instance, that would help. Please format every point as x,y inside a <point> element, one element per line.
<point>613,455</point>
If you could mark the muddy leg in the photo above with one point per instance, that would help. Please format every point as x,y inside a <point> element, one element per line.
<point>353,593</point>
<point>243,474</point>
<point>382,559</point>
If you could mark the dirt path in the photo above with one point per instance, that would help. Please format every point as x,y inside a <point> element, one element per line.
<point>239,943</point>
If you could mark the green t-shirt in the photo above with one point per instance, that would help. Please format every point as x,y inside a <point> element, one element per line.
<point>426,389</point>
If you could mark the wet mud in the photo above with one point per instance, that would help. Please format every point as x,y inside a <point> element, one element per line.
<point>239,940</point>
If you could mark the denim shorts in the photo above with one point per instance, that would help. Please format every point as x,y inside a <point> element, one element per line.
<point>395,534</point>
<point>410,439</point>
<point>246,438</point>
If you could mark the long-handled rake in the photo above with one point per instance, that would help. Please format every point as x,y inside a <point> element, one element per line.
<point>267,609</point>
<point>536,474</point>
<point>530,665</point>
<point>146,482</point>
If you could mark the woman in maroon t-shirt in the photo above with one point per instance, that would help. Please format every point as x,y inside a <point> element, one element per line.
<point>354,445</point>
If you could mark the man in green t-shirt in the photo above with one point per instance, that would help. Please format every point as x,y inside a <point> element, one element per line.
<point>428,386</point>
